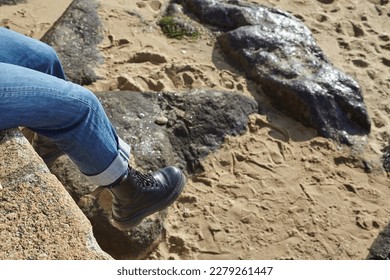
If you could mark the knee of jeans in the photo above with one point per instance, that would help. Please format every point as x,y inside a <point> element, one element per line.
<point>53,64</point>
<point>51,55</point>
<point>49,61</point>
<point>90,101</point>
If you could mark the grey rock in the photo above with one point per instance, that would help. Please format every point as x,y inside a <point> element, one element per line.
<point>200,120</point>
<point>11,2</point>
<point>278,51</point>
<point>386,159</point>
<point>75,37</point>
<point>380,249</point>
<point>229,15</point>
<point>133,115</point>
<point>197,124</point>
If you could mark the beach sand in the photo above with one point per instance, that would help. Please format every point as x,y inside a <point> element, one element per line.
<point>262,196</point>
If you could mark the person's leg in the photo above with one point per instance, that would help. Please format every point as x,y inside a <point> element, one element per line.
<point>68,114</point>
<point>24,51</point>
<point>73,118</point>
<point>27,52</point>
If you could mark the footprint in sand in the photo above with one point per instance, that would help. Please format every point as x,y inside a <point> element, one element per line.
<point>154,5</point>
<point>229,81</point>
<point>385,38</point>
<point>360,63</point>
<point>139,83</point>
<point>350,29</point>
<point>380,119</point>
<point>386,61</point>
<point>343,45</point>
<point>188,76</point>
<point>321,17</point>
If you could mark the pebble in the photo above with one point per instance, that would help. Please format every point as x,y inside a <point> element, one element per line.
<point>161,120</point>
<point>1,187</point>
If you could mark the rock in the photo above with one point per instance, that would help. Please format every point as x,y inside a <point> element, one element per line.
<point>201,120</point>
<point>278,51</point>
<point>161,120</point>
<point>177,28</point>
<point>326,1</point>
<point>133,114</point>
<point>38,218</point>
<point>75,37</point>
<point>197,123</point>
<point>380,249</point>
<point>386,159</point>
<point>11,2</point>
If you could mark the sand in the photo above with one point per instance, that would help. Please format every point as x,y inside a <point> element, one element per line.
<point>262,196</point>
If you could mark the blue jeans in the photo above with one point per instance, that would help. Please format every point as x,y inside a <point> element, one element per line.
<point>35,94</point>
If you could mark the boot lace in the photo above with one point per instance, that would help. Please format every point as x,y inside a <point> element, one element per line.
<point>144,181</point>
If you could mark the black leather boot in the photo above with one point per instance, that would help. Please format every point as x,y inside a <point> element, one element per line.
<point>139,195</point>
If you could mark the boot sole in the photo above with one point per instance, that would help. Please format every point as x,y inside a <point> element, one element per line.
<point>137,219</point>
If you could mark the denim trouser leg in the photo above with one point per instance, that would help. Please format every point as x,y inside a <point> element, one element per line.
<point>68,114</point>
<point>24,51</point>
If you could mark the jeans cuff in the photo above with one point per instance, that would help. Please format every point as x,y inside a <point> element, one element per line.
<point>116,169</point>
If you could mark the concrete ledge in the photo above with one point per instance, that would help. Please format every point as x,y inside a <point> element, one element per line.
<point>38,218</point>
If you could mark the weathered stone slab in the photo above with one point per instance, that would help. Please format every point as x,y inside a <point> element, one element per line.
<point>163,129</point>
<point>38,218</point>
<point>75,37</point>
<point>278,51</point>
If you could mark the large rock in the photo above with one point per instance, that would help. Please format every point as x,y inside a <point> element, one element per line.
<point>200,120</point>
<point>278,51</point>
<point>162,129</point>
<point>196,124</point>
<point>38,218</point>
<point>75,37</point>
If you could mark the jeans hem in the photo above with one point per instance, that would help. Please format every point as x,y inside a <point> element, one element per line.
<point>116,169</point>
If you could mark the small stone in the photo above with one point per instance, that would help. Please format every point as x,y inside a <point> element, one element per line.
<point>1,187</point>
<point>161,121</point>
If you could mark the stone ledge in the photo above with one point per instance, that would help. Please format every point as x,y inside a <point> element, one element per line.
<point>38,218</point>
